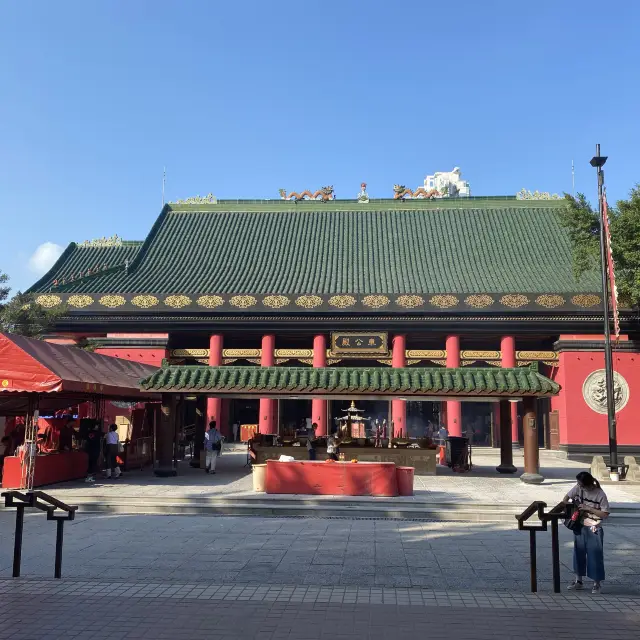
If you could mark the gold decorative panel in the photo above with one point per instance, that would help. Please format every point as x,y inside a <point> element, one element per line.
<point>550,301</point>
<point>243,302</point>
<point>586,300</point>
<point>275,302</point>
<point>359,343</point>
<point>293,353</point>
<point>480,355</point>
<point>409,302</point>
<point>112,301</point>
<point>309,302</point>
<point>190,353</point>
<point>177,302</point>
<point>425,354</point>
<point>375,302</point>
<point>79,301</point>
<point>514,301</point>
<point>144,302</point>
<point>342,302</point>
<point>537,355</point>
<point>479,301</point>
<point>210,302</point>
<point>241,353</point>
<point>444,302</point>
<point>48,301</point>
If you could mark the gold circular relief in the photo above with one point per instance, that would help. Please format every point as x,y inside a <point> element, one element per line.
<point>409,302</point>
<point>444,302</point>
<point>342,302</point>
<point>177,302</point>
<point>375,302</point>
<point>276,302</point>
<point>309,302</point>
<point>112,301</point>
<point>210,302</point>
<point>550,301</point>
<point>514,300</point>
<point>144,302</point>
<point>479,301</point>
<point>243,302</point>
<point>79,301</point>
<point>48,301</point>
<point>586,300</point>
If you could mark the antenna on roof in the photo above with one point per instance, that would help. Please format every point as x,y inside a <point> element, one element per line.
<point>573,180</point>
<point>164,179</point>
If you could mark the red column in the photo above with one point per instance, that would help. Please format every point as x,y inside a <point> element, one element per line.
<point>266,419</point>
<point>454,407</point>
<point>508,348</point>
<point>399,407</point>
<point>319,406</point>
<point>214,405</point>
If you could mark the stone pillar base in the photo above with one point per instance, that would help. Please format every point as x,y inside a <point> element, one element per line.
<point>532,478</point>
<point>506,468</point>
<point>165,472</point>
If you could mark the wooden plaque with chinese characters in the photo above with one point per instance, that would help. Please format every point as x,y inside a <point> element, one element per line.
<point>362,343</point>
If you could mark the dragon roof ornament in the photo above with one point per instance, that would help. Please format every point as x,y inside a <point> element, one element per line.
<point>324,194</point>
<point>113,241</point>
<point>208,199</point>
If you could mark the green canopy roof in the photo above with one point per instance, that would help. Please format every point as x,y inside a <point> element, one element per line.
<point>479,255</point>
<point>352,381</point>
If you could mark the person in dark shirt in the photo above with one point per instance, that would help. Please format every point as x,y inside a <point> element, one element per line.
<point>92,446</point>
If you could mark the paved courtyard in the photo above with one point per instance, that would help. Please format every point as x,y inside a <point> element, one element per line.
<point>483,485</point>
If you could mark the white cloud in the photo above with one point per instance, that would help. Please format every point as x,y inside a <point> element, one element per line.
<point>44,257</point>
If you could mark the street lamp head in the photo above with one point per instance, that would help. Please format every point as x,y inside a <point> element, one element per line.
<point>598,161</point>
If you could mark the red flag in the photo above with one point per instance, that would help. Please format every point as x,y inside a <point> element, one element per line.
<point>613,290</point>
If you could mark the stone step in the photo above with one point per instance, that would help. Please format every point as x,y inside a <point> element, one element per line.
<point>312,507</point>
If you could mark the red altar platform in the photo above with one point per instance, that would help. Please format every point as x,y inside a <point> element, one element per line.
<point>51,468</point>
<point>332,478</point>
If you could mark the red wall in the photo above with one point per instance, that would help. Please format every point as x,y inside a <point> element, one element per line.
<point>579,424</point>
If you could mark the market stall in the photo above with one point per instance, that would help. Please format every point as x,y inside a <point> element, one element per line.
<point>41,378</point>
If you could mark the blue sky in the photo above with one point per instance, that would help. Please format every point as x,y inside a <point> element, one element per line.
<point>242,98</point>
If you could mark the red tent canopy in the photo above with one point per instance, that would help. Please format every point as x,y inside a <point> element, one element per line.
<point>35,366</point>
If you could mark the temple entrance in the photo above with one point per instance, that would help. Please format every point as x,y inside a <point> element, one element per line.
<point>293,415</point>
<point>244,411</point>
<point>478,423</point>
<point>422,418</point>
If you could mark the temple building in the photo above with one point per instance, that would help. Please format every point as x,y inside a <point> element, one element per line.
<point>308,281</point>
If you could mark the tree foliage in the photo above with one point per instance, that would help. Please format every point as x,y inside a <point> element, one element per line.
<point>582,223</point>
<point>22,315</point>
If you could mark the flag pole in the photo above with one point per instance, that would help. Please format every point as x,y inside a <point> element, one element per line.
<point>614,468</point>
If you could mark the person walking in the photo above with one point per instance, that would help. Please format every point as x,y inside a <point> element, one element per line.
<point>311,449</point>
<point>333,449</point>
<point>92,446</point>
<point>235,429</point>
<point>212,446</point>
<point>588,542</point>
<point>113,449</point>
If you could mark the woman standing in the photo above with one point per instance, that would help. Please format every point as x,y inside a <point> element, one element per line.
<point>588,554</point>
<point>113,442</point>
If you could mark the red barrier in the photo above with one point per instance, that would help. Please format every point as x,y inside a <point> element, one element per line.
<point>56,467</point>
<point>332,478</point>
<point>404,476</point>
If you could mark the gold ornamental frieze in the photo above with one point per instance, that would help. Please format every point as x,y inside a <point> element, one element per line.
<point>550,301</point>
<point>177,302</point>
<point>309,302</point>
<point>425,354</point>
<point>515,301</point>
<point>275,302</point>
<point>189,353</point>
<point>243,302</point>
<point>79,302</point>
<point>586,300</point>
<point>444,301</point>
<point>144,301</point>
<point>375,302</point>
<point>293,353</point>
<point>537,355</point>
<point>210,302</point>
<point>410,301</point>
<point>241,353</point>
<point>480,355</point>
<point>479,301</point>
<point>112,302</point>
<point>48,301</point>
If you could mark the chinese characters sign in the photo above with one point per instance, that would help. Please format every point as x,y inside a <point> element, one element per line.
<point>359,343</point>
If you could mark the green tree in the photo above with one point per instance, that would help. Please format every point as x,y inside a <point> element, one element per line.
<point>22,315</point>
<point>582,223</point>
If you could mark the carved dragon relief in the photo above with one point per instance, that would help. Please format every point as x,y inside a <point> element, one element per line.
<point>324,194</point>
<point>401,192</point>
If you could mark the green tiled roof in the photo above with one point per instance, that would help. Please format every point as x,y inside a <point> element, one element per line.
<point>456,246</point>
<point>304,381</point>
<point>77,260</point>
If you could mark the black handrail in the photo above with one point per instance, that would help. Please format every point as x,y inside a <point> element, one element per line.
<point>559,512</point>
<point>43,502</point>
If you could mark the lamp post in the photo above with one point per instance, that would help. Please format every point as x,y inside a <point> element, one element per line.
<point>614,468</point>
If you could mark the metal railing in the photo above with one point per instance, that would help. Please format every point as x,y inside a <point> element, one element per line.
<point>559,512</point>
<point>43,502</point>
